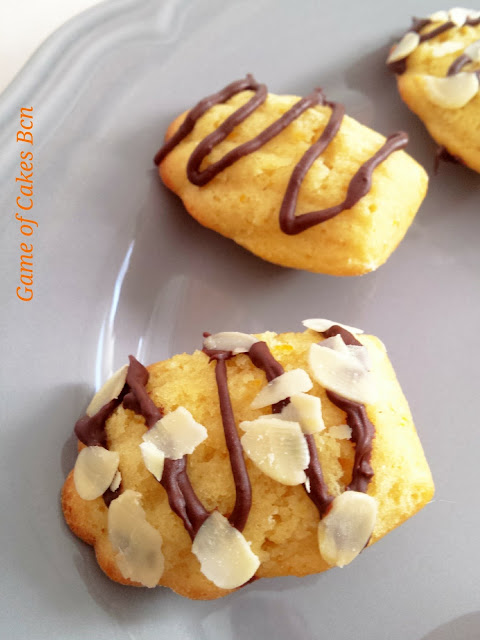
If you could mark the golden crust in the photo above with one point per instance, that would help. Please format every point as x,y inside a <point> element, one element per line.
<point>282,526</point>
<point>458,130</point>
<point>243,202</point>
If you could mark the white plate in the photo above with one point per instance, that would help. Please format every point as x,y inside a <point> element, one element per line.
<point>121,268</point>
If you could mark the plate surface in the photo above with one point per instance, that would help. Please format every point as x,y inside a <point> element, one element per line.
<point>120,268</point>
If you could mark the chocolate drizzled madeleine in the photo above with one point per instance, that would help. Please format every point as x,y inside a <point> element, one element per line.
<point>234,161</point>
<point>285,444</point>
<point>438,76</point>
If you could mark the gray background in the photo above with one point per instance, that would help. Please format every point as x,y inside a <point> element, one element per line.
<point>121,268</point>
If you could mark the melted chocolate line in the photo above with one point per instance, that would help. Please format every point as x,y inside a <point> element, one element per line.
<point>262,358</point>
<point>318,493</point>
<point>436,32</point>
<point>181,496</point>
<point>363,430</point>
<point>458,64</point>
<point>243,489</point>
<point>248,83</point>
<point>91,430</point>
<point>110,495</point>
<point>137,378</point>
<point>358,187</point>
<point>363,433</point>
<point>290,224</point>
<point>200,178</point>
<point>347,337</point>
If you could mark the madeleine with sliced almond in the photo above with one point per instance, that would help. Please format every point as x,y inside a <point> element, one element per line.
<point>439,82</point>
<point>265,494</point>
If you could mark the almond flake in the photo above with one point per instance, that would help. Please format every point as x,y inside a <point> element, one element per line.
<point>347,527</point>
<point>230,341</point>
<point>225,557</point>
<point>452,92</point>
<point>153,458</point>
<point>404,48</point>
<point>277,447</point>
<point>458,15</point>
<point>176,434</point>
<point>94,471</point>
<point>321,325</point>
<point>438,16</point>
<point>340,432</point>
<point>438,50</point>
<point>306,410</point>
<point>109,391</point>
<point>288,384</point>
<point>473,51</point>
<point>116,482</point>
<point>137,543</point>
<point>342,373</point>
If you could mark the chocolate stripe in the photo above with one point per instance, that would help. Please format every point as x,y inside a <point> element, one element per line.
<point>363,430</point>
<point>290,224</point>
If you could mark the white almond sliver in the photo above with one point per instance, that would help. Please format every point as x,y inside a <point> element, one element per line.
<point>137,543</point>
<point>439,16</point>
<point>225,556</point>
<point>458,15</point>
<point>278,448</point>
<point>473,15</point>
<point>109,391</point>
<point>94,471</point>
<point>177,434</point>
<point>288,384</point>
<point>230,341</point>
<point>404,48</point>
<point>342,373</point>
<point>336,343</point>
<point>473,51</point>
<point>359,352</point>
<point>307,411</point>
<point>321,325</point>
<point>340,432</point>
<point>153,458</point>
<point>116,482</point>
<point>452,92</point>
<point>347,527</point>
<point>438,50</point>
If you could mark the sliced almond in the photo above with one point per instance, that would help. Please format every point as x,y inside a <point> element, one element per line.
<point>321,325</point>
<point>230,341</point>
<point>439,16</point>
<point>306,410</point>
<point>458,15</point>
<point>109,391</point>
<point>177,434</point>
<point>360,352</point>
<point>340,432</point>
<point>138,545</point>
<point>278,448</point>
<point>440,49</point>
<point>225,557</point>
<point>452,92</point>
<point>347,527</point>
<point>336,343</point>
<point>342,373</point>
<point>116,482</point>
<point>473,51</point>
<point>404,48</point>
<point>94,471</point>
<point>288,384</point>
<point>153,458</point>
<point>473,15</point>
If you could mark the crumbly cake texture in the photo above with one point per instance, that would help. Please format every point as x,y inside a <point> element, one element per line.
<point>458,130</point>
<point>244,200</point>
<point>282,525</point>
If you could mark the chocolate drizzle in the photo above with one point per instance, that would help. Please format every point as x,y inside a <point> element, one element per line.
<point>243,489</point>
<point>290,224</point>
<point>363,430</point>
<point>91,430</point>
